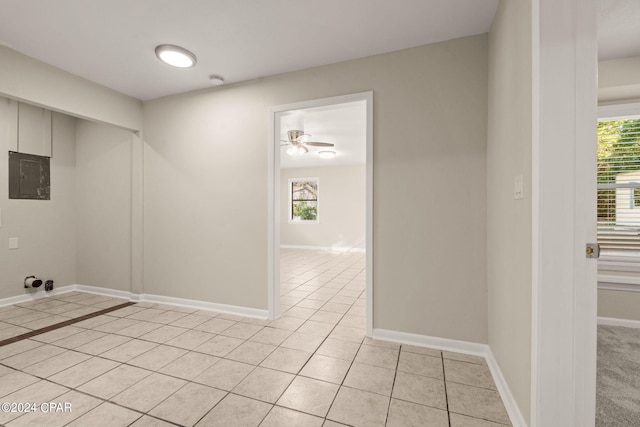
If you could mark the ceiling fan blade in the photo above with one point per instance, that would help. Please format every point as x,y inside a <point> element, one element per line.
<point>319,144</point>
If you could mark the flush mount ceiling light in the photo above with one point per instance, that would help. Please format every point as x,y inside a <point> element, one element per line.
<point>327,154</point>
<point>175,55</point>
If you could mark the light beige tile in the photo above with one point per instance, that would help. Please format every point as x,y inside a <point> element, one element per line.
<point>189,366</point>
<point>338,349</point>
<point>147,421</point>
<point>106,414</point>
<point>190,339</point>
<point>157,357</point>
<point>300,312</point>
<point>313,327</point>
<point>469,374</point>
<point>419,389</point>
<point>83,372</point>
<point>346,333</point>
<point>103,344</point>
<point>303,342</point>
<point>359,408</point>
<point>310,303</point>
<point>168,317</point>
<point>79,404</point>
<point>147,393</point>
<point>264,384</point>
<point>225,374</point>
<point>13,331</point>
<point>126,311</point>
<point>33,356</point>
<point>115,326</point>
<point>271,336</point>
<point>370,378</point>
<point>458,420</point>
<point>190,321</point>
<point>287,322</point>
<point>146,314</point>
<point>237,411</point>
<point>283,417</point>
<point>139,329</point>
<point>241,330</point>
<point>476,402</point>
<point>77,340</point>
<point>421,350</point>
<point>326,369</point>
<point>44,390</point>
<point>163,334</point>
<point>17,348</point>
<point>215,325</point>
<point>309,395</point>
<point>4,370</point>
<point>407,414</point>
<point>377,356</point>
<point>128,350</point>
<point>286,359</point>
<point>187,405</point>
<point>219,345</point>
<point>326,317</point>
<point>329,423</point>
<point>95,321</point>
<point>336,307</point>
<point>251,352</point>
<point>15,381</point>
<point>55,364</point>
<point>464,357</point>
<point>420,364</point>
<point>115,381</point>
<point>57,334</point>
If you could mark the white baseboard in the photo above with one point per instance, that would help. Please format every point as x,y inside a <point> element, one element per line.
<point>181,302</point>
<point>611,321</point>
<point>325,248</point>
<point>475,349</point>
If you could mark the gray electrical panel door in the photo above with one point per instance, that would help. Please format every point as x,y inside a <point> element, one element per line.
<point>29,176</point>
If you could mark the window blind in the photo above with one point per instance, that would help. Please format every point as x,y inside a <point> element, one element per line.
<point>619,186</point>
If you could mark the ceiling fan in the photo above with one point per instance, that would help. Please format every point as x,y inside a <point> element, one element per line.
<point>300,141</point>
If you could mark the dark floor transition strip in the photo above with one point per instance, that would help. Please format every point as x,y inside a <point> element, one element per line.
<point>63,324</point>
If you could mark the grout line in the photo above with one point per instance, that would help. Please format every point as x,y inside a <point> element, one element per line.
<point>395,374</point>
<point>444,380</point>
<point>62,324</point>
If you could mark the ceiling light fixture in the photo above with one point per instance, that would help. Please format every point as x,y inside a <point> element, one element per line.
<point>175,55</point>
<point>297,150</point>
<point>327,154</point>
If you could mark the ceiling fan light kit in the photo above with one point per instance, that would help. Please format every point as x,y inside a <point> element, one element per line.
<point>299,142</point>
<point>327,154</point>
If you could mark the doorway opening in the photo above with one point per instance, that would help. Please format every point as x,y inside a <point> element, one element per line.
<point>320,206</point>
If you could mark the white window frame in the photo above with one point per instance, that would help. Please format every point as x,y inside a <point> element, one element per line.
<point>614,270</point>
<point>290,206</point>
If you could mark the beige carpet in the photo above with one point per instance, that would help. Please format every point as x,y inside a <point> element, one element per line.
<point>618,377</point>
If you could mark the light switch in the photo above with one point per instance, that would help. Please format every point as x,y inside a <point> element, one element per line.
<point>13,243</point>
<point>517,187</point>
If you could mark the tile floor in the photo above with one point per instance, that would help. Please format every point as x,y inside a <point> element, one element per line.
<point>160,365</point>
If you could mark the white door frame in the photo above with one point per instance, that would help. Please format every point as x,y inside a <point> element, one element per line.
<point>564,282</point>
<point>273,179</point>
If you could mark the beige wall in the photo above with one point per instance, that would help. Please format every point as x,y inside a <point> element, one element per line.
<point>103,208</point>
<point>45,228</point>
<point>619,80</point>
<point>619,304</point>
<point>206,186</point>
<point>509,220</point>
<point>26,79</point>
<point>342,208</point>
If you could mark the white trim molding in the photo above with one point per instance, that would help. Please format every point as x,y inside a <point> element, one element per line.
<point>465,347</point>
<point>611,321</point>
<point>160,299</point>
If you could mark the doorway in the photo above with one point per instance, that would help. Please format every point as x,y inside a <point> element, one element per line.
<point>296,202</point>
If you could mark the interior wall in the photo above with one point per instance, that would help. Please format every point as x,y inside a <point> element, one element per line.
<point>509,220</point>
<point>33,81</point>
<point>103,205</point>
<point>342,208</point>
<point>45,228</point>
<point>206,186</point>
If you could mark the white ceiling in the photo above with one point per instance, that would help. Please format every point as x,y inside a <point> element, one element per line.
<point>341,124</point>
<point>618,28</point>
<point>112,42</point>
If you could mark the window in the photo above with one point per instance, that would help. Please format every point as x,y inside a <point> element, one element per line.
<point>619,187</point>
<point>303,198</point>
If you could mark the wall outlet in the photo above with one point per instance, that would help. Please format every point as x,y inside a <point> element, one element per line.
<point>13,243</point>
